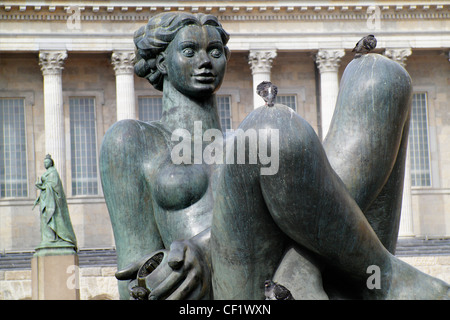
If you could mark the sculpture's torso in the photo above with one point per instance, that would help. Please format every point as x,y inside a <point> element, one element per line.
<point>181,194</point>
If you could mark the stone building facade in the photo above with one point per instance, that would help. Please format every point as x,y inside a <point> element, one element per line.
<point>66,75</point>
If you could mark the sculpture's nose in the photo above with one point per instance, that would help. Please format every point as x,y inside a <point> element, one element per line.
<point>204,61</point>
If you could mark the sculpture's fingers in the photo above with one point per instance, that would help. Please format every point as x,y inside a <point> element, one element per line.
<point>176,254</point>
<point>167,286</point>
<point>183,291</point>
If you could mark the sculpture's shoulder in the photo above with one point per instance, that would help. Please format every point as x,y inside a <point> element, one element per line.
<point>134,137</point>
<point>50,176</point>
<point>130,148</point>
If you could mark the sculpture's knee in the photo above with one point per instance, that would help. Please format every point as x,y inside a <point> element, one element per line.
<point>284,139</point>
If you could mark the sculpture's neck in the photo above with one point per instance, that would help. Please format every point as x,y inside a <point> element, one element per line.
<point>181,111</point>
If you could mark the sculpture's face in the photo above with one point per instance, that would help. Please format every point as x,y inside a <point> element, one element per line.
<point>195,61</point>
<point>47,163</point>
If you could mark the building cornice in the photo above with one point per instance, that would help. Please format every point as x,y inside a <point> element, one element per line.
<point>225,10</point>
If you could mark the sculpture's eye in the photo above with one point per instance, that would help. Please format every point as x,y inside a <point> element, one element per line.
<point>188,52</point>
<point>216,53</point>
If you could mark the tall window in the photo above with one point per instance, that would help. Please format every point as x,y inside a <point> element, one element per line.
<point>13,158</point>
<point>287,100</point>
<point>83,146</point>
<point>150,108</point>
<point>224,110</point>
<point>418,142</point>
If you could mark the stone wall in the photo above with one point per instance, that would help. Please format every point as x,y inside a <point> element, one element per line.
<point>437,266</point>
<point>96,283</point>
<point>99,283</point>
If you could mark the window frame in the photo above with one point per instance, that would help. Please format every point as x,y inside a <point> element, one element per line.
<point>28,104</point>
<point>430,165</point>
<point>99,103</point>
<point>21,127</point>
<point>230,97</point>
<point>139,106</point>
<point>290,95</point>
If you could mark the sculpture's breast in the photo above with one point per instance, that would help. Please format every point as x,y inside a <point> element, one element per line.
<point>180,186</point>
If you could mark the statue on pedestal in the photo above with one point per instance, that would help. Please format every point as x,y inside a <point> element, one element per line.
<point>56,227</point>
<point>201,215</point>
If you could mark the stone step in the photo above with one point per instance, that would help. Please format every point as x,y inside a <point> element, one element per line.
<point>422,247</point>
<point>107,257</point>
<point>22,260</point>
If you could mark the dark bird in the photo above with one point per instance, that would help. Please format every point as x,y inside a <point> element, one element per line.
<point>267,91</point>
<point>365,45</point>
<point>275,291</point>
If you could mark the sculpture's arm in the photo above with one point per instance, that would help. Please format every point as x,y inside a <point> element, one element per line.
<point>128,195</point>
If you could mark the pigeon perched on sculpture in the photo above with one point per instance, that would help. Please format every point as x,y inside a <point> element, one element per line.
<point>268,91</point>
<point>275,291</point>
<point>365,45</point>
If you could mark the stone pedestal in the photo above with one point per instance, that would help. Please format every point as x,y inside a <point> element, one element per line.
<point>55,274</point>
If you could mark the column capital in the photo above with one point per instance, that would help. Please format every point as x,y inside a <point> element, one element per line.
<point>123,62</point>
<point>51,62</point>
<point>260,61</point>
<point>329,59</point>
<point>398,55</point>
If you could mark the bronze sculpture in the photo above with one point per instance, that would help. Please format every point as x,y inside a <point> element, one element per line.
<point>224,228</point>
<point>56,227</point>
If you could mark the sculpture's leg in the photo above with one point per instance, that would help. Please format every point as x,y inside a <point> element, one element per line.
<point>367,140</point>
<point>127,194</point>
<point>384,212</point>
<point>308,202</point>
<point>246,245</point>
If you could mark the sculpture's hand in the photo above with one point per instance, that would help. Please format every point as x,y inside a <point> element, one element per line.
<point>189,276</point>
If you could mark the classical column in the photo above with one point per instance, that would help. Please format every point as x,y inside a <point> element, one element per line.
<point>260,62</point>
<point>328,62</point>
<point>51,63</point>
<point>399,55</point>
<point>406,220</point>
<point>124,69</point>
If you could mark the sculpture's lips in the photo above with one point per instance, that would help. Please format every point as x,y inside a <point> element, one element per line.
<point>205,77</point>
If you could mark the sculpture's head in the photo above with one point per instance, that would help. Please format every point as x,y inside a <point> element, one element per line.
<point>189,50</point>
<point>48,161</point>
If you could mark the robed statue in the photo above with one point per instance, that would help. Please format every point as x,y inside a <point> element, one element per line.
<point>56,227</point>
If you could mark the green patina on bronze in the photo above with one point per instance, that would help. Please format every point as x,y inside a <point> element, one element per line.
<point>218,231</point>
<point>57,235</point>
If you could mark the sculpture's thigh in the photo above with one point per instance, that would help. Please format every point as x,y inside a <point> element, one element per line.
<point>246,244</point>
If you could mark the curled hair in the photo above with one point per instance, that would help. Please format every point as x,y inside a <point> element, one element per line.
<point>153,38</point>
